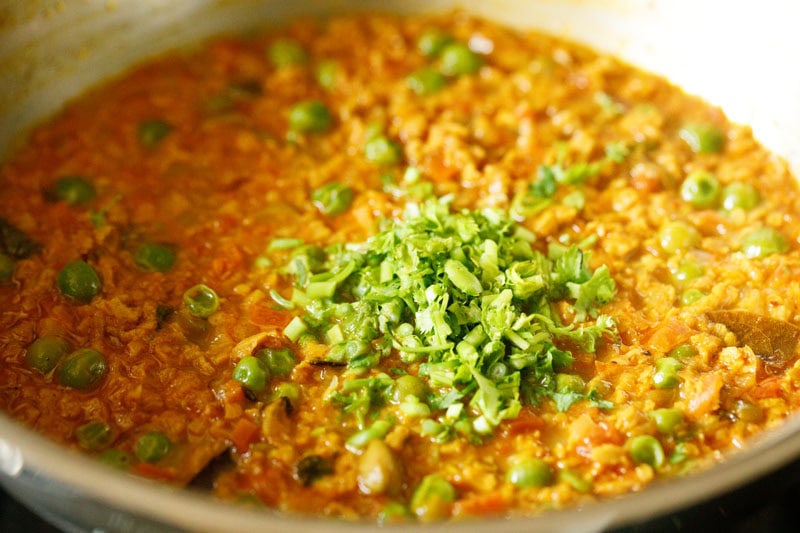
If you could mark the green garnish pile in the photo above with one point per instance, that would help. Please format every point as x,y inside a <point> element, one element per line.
<point>468,304</point>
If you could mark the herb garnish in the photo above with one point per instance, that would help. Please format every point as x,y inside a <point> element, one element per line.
<point>464,298</point>
<point>542,190</point>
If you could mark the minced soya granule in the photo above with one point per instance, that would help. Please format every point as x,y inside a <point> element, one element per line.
<point>362,267</point>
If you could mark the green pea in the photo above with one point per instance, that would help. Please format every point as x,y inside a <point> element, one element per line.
<point>82,369</point>
<point>327,74</point>
<point>530,472</point>
<point>683,352</point>
<point>646,449</point>
<point>409,385</point>
<point>74,190</point>
<point>333,198</point>
<point>310,116</point>
<point>456,59</point>
<point>740,195</point>
<point>432,498</point>
<point>79,281</point>
<point>691,296</point>
<point>678,236</point>
<point>152,132</point>
<point>701,189</point>
<point>666,375</point>
<point>393,513</point>
<point>569,383</point>
<point>116,459</point>
<point>287,390</point>
<point>201,301</point>
<point>278,361</point>
<point>94,436</point>
<point>45,353</point>
<point>383,151</point>
<point>152,447</point>
<point>426,81</point>
<point>764,241</point>
<point>432,41</point>
<point>7,267</point>
<point>286,53</point>
<point>667,419</point>
<point>702,138</point>
<point>251,373</point>
<point>688,270</point>
<point>155,257</point>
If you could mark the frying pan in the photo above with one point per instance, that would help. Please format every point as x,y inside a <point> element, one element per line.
<point>738,55</point>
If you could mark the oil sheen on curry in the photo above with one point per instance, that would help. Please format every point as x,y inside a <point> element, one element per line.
<point>399,269</point>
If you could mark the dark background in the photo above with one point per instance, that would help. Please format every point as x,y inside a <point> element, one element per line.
<point>770,504</point>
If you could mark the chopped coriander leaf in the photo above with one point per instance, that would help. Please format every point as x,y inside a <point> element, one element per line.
<point>464,295</point>
<point>543,189</point>
<point>545,184</point>
<point>280,300</point>
<point>98,218</point>
<point>295,328</point>
<point>377,430</point>
<point>564,400</point>
<point>597,401</point>
<point>359,396</point>
<point>281,243</point>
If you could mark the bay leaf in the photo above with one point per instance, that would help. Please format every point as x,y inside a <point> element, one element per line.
<point>772,340</point>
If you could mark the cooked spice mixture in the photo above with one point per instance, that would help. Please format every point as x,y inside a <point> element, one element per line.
<point>398,269</point>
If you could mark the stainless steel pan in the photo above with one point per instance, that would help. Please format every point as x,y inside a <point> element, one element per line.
<point>740,55</point>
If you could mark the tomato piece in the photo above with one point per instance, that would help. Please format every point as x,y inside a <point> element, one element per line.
<point>244,433</point>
